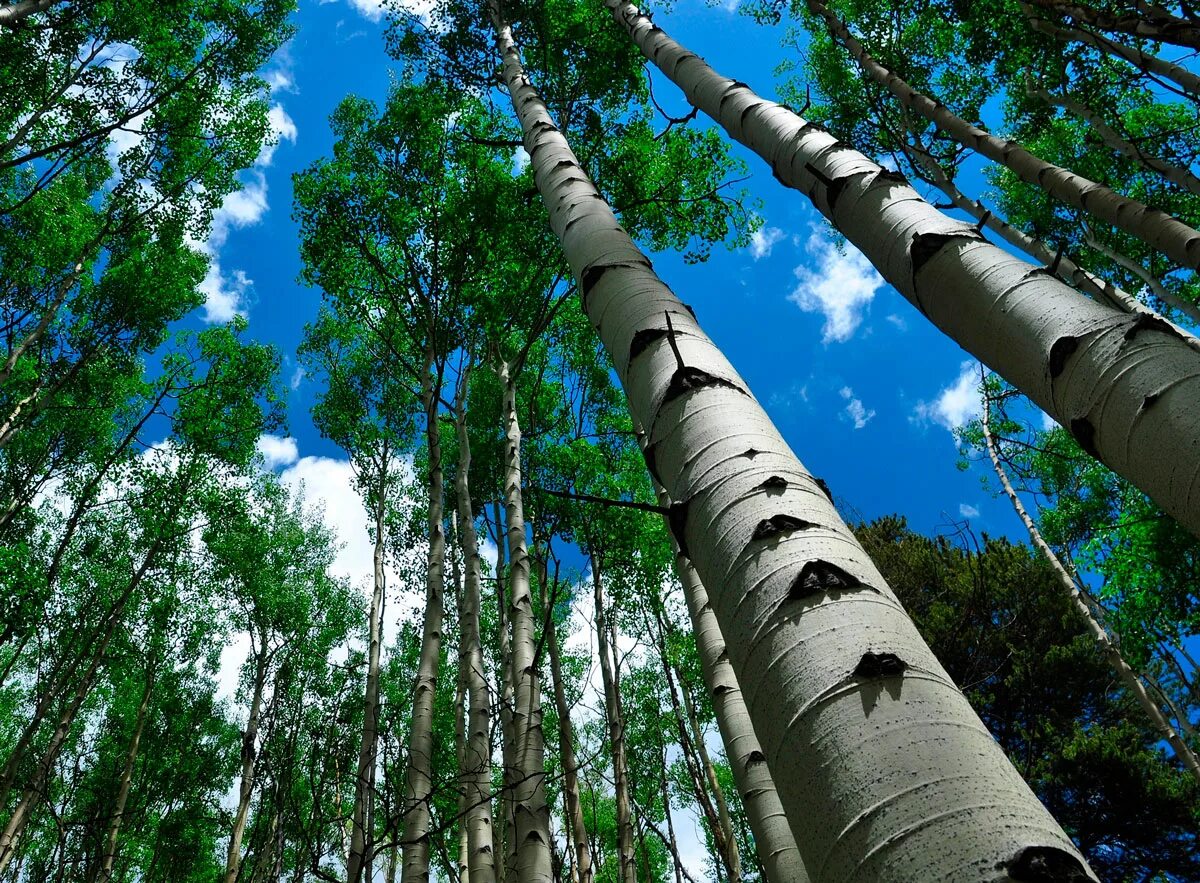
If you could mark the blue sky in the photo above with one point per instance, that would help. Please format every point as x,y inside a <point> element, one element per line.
<point>861,386</point>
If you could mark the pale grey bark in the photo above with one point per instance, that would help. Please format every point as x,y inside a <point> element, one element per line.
<point>1177,175</point>
<point>580,852</point>
<point>364,777</point>
<point>1175,239</point>
<point>526,778</point>
<point>504,848</point>
<point>16,12</point>
<point>1139,19</point>
<point>732,855</point>
<point>616,730</point>
<point>233,857</point>
<point>885,772</point>
<point>1125,385</point>
<point>772,837</point>
<point>418,781</point>
<point>44,323</point>
<point>118,814</point>
<point>1146,62</point>
<point>1155,286</point>
<point>477,760</point>
<point>1128,677</point>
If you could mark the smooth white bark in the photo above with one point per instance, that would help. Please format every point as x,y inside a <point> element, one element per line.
<point>885,772</point>
<point>15,12</point>
<point>1125,385</point>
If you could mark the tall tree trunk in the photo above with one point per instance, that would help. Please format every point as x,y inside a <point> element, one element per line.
<point>1155,286</point>
<point>47,318</point>
<point>772,837</point>
<point>581,868</point>
<point>504,845</point>
<point>1048,340</point>
<point>875,788</point>
<point>16,12</point>
<point>460,745</point>
<point>118,813</point>
<point>41,776</point>
<point>1128,677</point>
<point>1146,20</point>
<point>418,788</point>
<point>477,768</point>
<point>233,858</point>
<point>1177,175</point>
<point>616,731</point>
<point>361,833</point>
<point>526,779</point>
<point>1146,62</point>
<point>733,857</point>
<point>1177,240</point>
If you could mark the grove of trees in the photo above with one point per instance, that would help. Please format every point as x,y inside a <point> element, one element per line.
<point>627,610</point>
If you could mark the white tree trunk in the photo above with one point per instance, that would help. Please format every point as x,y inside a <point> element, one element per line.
<point>477,763</point>
<point>1125,385</point>
<point>772,837</point>
<point>885,772</point>
<point>531,814</point>
<point>1131,680</point>
<point>418,784</point>
<point>118,813</point>
<point>15,12</point>
<point>233,857</point>
<point>1175,239</point>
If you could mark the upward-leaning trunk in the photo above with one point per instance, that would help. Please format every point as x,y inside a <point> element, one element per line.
<point>1125,385</point>
<point>772,837</point>
<point>477,755</point>
<point>364,775</point>
<point>885,772</point>
<point>1143,19</point>
<point>616,730</point>
<point>526,778</point>
<point>504,849</point>
<point>118,813</point>
<point>1175,239</point>
<point>418,785</point>
<point>233,856</point>
<point>1112,653</point>
<point>1146,62</point>
<point>581,868</point>
<point>15,12</point>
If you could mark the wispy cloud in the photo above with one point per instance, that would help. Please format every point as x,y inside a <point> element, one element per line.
<point>855,409</point>
<point>838,283</point>
<point>968,511</point>
<point>956,404</point>
<point>763,240</point>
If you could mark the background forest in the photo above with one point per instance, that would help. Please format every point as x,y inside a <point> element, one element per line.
<point>372,509</point>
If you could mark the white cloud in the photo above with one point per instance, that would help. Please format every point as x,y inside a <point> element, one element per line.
<point>224,296</point>
<point>283,128</point>
<point>763,240</point>
<point>277,451</point>
<point>281,75</point>
<point>1048,422</point>
<point>840,287</point>
<point>297,377</point>
<point>958,403</point>
<point>855,408</point>
<point>967,511</point>
<point>520,161</point>
<point>897,321</point>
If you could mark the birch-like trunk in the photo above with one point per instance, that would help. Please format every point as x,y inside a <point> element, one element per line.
<point>1155,286</point>
<point>418,786</point>
<point>581,853</point>
<point>1178,176</point>
<point>1143,19</point>
<point>477,757</point>
<point>233,857</point>
<point>118,814</point>
<point>364,777</point>
<point>732,855</point>
<point>16,12</point>
<point>1175,239</point>
<point>1146,62</point>
<point>1128,677</point>
<point>772,837</point>
<point>526,778</point>
<point>504,851</point>
<point>885,772</point>
<point>616,730</point>
<point>1125,385</point>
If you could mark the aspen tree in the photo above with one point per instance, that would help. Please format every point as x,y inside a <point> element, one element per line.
<point>1064,351</point>
<point>883,768</point>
